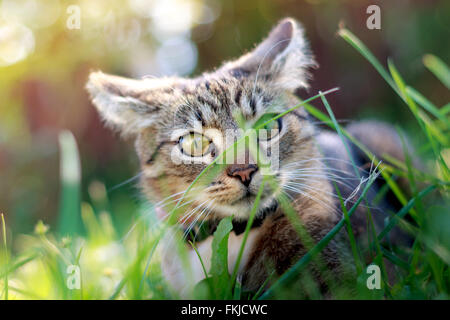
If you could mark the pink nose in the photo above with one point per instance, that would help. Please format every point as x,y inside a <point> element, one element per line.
<point>243,172</point>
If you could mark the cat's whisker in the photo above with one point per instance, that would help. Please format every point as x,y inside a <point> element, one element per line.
<point>332,173</point>
<point>173,195</point>
<point>291,185</point>
<point>177,206</point>
<point>306,177</point>
<point>175,200</point>
<point>321,202</point>
<point>287,194</point>
<point>205,219</point>
<point>322,168</point>
<point>335,171</point>
<point>162,218</point>
<point>186,216</point>
<point>321,160</point>
<point>319,191</point>
<point>196,220</point>
<point>158,204</point>
<point>117,186</point>
<point>325,172</point>
<point>190,227</point>
<point>187,232</point>
<point>309,174</point>
<point>172,236</point>
<point>289,176</point>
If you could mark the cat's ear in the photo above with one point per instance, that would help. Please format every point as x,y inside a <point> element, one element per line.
<point>125,104</point>
<point>283,57</point>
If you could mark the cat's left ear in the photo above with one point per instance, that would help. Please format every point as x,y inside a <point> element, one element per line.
<point>283,58</point>
<point>127,105</point>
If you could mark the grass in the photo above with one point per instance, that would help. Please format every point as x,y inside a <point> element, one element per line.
<point>127,267</point>
<point>5,280</point>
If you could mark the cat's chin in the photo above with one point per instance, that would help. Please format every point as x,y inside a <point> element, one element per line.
<point>241,209</point>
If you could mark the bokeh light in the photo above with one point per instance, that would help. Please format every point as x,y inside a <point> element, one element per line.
<point>32,13</point>
<point>177,56</point>
<point>16,43</point>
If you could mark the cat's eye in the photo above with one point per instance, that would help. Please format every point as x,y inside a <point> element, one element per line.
<point>194,144</point>
<point>270,130</point>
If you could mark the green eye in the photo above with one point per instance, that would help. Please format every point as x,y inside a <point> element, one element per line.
<point>194,144</point>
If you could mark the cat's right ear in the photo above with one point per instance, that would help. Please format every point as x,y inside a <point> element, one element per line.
<point>125,104</point>
<point>283,57</point>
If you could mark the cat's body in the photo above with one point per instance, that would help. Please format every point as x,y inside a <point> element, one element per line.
<point>167,117</point>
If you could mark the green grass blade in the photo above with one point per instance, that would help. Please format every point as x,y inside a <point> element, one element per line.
<point>355,168</point>
<point>426,104</point>
<point>207,278</point>
<point>246,232</point>
<point>70,205</point>
<point>261,288</point>
<point>351,235</point>
<point>423,120</point>
<point>118,289</point>
<point>395,259</point>
<point>147,265</point>
<point>6,256</point>
<point>445,109</point>
<point>403,211</point>
<point>341,135</point>
<point>199,258</point>
<point>237,290</point>
<point>378,259</point>
<point>18,264</point>
<point>431,132</point>
<point>321,94</point>
<point>365,52</point>
<point>438,68</point>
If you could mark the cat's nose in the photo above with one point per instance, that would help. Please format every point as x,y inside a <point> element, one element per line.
<point>242,172</point>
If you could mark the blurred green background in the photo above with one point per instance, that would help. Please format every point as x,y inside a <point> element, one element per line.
<point>44,65</point>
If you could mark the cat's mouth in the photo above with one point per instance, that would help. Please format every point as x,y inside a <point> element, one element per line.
<point>246,198</point>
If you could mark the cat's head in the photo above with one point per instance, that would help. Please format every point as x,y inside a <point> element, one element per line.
<point>182,125</point>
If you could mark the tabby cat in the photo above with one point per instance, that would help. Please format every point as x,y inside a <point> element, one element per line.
<point>180,124</point>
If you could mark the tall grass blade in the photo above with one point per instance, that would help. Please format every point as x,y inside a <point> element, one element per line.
<point>403,211</point>
<point>438,68</point>
<point>356,169</point>
<point>246,232</point>
<point>70,204</point>
<point>6,257</point>
<point>426,104</point>
<point>365,52</point>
